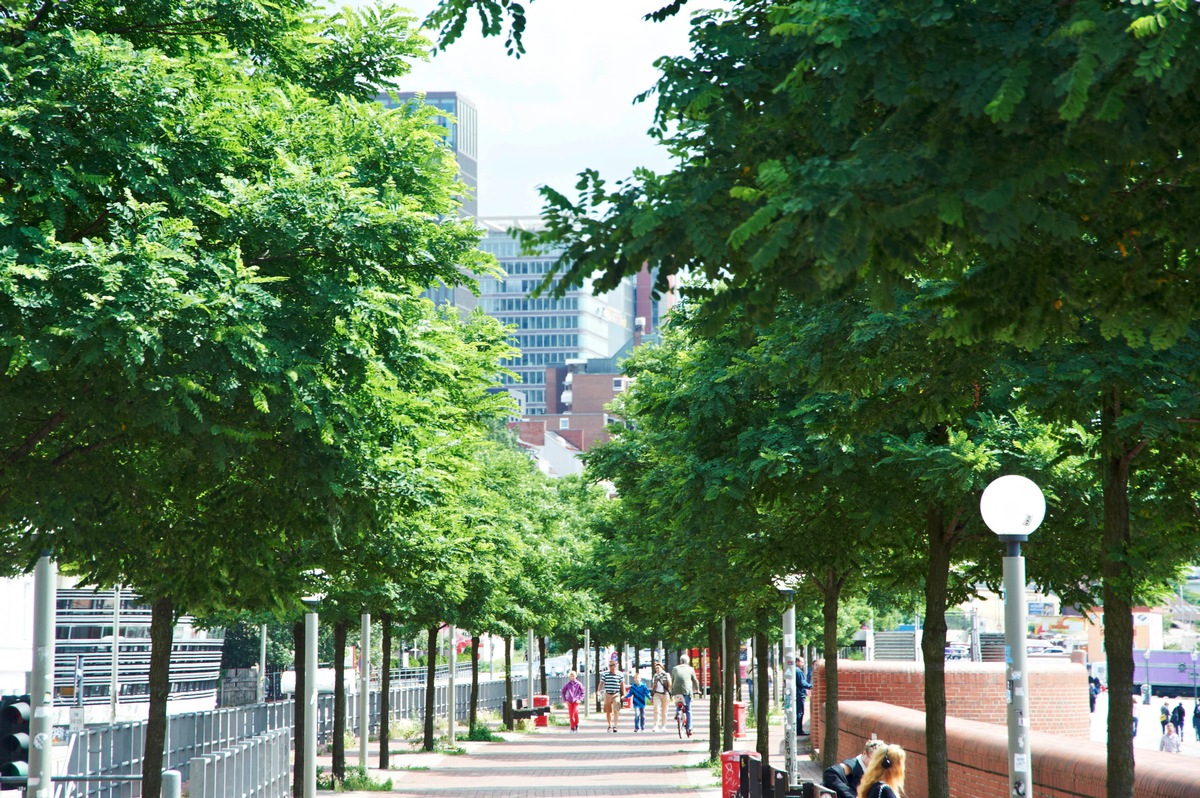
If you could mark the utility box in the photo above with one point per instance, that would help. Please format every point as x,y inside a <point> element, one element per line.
<point>543,718</point>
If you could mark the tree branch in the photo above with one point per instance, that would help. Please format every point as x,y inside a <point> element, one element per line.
<point>37,437</point>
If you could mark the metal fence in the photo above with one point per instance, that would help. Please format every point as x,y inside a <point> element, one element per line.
<point>254,768</point>
<point>118,750</point>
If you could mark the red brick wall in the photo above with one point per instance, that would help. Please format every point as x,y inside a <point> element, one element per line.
<point>1058,695</point>
<point>978,757</point>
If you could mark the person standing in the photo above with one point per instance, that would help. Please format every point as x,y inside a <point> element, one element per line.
<point>884,776</point>
<point>684,683</point>
<point>572,694</point>
<point>612,687</point>
<point>637,694</point>
<point>803,685</point>
<point>1196,721</point>
<point>660,688</point>
<point>844,777</point>
<point>1178,716</point>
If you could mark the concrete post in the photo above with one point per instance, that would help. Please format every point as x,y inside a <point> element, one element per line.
<point>1020,757</point>
<point>261,692</point>
<point>172,784</point>
<point>450,708</point>
<point>529,648</point>
<point>587,670</point>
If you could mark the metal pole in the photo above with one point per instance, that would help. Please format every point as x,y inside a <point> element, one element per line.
<point>529,644</point>
<point>1020,770</point>
<point>453,657</point>
<point>114,686</point>
<point>41,727</point>
<point>788,681</point>
<point>262,664</point>
<point>587,670</point>
<point>364,690</point>
<point>310,699</point>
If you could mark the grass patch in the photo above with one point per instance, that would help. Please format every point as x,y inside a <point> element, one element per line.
<point>480,733</point>
<point>356,780</point>
<point>409,767</point>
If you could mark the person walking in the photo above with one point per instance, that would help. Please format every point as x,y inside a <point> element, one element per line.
<point>572,694</point>
<point>637,694</point>
<point>1170,742</point>
<point>1164,716</point>
<point>684,683</point>
<point>1196,720</point>
<point>1178,716</point>
<point>612,687</point>
<point>1135,717</point>
<point>884,776</point>
<point>660,688</point>
<point>844,777</point>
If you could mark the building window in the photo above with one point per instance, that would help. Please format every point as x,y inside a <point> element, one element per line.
<point>564,423</point>
<point>618,384</point>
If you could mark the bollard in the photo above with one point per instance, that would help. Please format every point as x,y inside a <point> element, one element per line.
<point>172,784</point>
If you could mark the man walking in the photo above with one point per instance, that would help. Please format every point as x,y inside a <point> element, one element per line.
<point>612,686</point>
<point>684,683</point>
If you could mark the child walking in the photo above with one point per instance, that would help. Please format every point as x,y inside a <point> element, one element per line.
<point>638,693</point>
<point>572,694</point>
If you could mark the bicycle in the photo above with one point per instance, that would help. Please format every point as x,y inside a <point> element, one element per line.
<point>682,717</point>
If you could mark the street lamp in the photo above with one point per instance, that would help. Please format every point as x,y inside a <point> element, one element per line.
<point>1013,507</point>
<point>1147,687</point>
<point>311,603</point>
<point>788,681</point>
<point>1183,668</point>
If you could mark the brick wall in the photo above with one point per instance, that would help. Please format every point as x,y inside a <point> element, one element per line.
<point>978,757</point>
<point>1058,692</point>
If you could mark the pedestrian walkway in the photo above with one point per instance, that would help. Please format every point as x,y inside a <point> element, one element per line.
<point>554,761</point>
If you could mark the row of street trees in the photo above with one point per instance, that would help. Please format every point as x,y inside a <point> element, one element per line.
<point>218,375</point>
<point>1013,185</point>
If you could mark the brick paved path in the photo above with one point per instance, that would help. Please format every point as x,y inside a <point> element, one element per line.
<point>554,762</point>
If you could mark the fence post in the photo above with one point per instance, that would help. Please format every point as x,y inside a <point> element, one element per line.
<point>172,784</point>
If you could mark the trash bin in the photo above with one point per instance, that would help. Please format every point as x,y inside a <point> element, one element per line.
<point>731,772</point>
<point>739,719</point>
<point>541,701</point>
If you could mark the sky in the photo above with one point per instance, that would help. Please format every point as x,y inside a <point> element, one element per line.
<point>564,106</point>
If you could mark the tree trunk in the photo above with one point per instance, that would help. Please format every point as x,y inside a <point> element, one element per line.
<point>1118,618</point>
<point>298,635</point>
<point>575,658</point>
<point>762,698</point>
<point>430,693</point>
<point>542,663</point>
<point>637,659</point>
<point>832,593</point>
<point>731,663</point>
<point>473,717</point>
<point>385,692</point>
<point>162,625</point>
<point>715,704</point>
<point>933,649</point>
<point>339,699</point>
<point>508,688</point>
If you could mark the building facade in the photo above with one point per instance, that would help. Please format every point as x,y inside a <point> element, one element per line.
<point>548,330</point>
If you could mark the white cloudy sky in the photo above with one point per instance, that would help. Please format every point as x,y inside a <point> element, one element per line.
<point>564,106</point>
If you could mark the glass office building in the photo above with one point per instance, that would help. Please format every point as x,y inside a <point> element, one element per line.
<point>548,330</point>
<point>461,120</point>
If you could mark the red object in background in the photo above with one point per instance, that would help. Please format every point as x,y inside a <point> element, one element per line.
<point>541,701</point>
<point>739,719</point>
<point>731,771</point>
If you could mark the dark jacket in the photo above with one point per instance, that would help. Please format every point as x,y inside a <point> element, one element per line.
<point>803,685</point>
<point>1178,715</point>
<point>843,778</point>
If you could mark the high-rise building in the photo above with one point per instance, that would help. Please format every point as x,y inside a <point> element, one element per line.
<point>549,330</point>
<point>461,121</point>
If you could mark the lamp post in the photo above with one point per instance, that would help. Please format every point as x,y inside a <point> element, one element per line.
<point>789,685</point>
<point>1183,668</point>
<point>1147,687</point>
<point>1013,507</point>
<point>311,603</point>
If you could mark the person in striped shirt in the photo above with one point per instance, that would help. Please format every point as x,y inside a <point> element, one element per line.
<point>612,687</point>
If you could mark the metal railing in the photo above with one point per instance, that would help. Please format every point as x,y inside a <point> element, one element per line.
<point>255,768</point>
<point>117,751</point>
